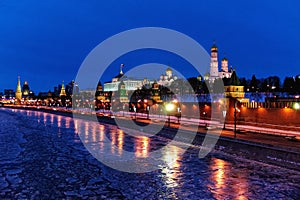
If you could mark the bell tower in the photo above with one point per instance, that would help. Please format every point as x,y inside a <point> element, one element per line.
<point>214,69</point>
<point>224,64</point>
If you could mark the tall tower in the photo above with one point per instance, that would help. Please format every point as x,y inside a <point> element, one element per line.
<point>214,69</point>
<point>18,91</point>
<point>63,94</point>
<point>224,64</point>
<point>25,89</point>
<point>62,90</point>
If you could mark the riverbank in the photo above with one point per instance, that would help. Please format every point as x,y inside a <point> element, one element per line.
<point>275,150</point>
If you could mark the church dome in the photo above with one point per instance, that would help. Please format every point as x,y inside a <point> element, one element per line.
<point>214,48</point>
<point>224,59</point>
<point>168,69</point>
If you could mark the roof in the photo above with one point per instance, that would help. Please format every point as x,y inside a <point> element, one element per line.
<point>214,47</point>
<point>119,75</point>
<point>234,80</point>
<point>169,69</point>
<point>224,59</point>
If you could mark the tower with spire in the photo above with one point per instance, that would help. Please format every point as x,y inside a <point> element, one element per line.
<point>224,65</point>
<point>214,68</point>
<point>62,90</point>
<point>63,94</point>
<point>18,91</point>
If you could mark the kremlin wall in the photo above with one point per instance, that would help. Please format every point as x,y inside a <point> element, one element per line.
<point>279,114</point>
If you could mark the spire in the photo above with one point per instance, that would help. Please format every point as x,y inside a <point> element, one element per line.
<point>224,58</point>
<point>18,90</point>
<point>214,47</point>
<point>19,85</point>
<point>121,68</point>
<point>62,90</point>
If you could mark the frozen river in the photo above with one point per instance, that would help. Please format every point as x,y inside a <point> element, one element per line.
<point>43,157</point>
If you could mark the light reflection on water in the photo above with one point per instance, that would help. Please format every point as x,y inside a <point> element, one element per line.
<point>220,171</point>
<point>142,146</point>
<point>223,183</point>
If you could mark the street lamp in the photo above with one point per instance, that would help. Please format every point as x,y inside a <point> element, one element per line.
<point>297,106</point>
<point>169,108</point>
<point>134,109</point>
<point>235,105</point>
<point>148,110</point>
<point>224,111</point>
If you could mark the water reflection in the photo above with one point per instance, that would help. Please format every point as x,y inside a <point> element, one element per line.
<point>120,141</point>
<point>227,181</point>
<point>142,147</point>
<point>172,173</point>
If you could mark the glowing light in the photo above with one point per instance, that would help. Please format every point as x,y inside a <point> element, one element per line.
<point>170,107</point>
<point>296,106</point>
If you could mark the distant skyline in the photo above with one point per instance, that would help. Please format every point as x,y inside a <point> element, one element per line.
<point>45,42</point>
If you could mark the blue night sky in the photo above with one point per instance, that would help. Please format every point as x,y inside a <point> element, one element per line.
<point>45,42</point>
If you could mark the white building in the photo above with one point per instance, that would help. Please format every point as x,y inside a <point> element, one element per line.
<point>214,66</point>
<point>167,79</point>
<point>131,84</point>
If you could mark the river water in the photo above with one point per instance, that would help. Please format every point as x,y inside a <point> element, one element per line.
<point>43,157</point>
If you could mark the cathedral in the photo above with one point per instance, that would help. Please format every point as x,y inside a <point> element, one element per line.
<point>167,79</point>
<point>214,66</point>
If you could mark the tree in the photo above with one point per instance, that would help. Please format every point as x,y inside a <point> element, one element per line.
<point>297,84</point>
<point>243,82</point>
<point>195,84</point>
<point>253,87</point>
<point>289,85</point>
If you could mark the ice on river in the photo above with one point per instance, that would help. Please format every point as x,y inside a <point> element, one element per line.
<point>43,157</point>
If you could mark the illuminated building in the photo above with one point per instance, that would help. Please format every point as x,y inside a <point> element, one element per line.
<point>25,90</point>
<point>234,89</point>
<point>131,84</point>
<point>214,66</point>
<point>155,93</point>
<point>18,92</point>
<point>167,79</point>
<point>123,93</point>
<point>62,90</point>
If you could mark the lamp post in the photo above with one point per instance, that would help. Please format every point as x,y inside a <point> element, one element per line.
<point>224,111</point>
<point>169,108</point>
<point>224,115</point>
<point>148,110</point>
<point>235,104</point>
<point>134,109</point>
